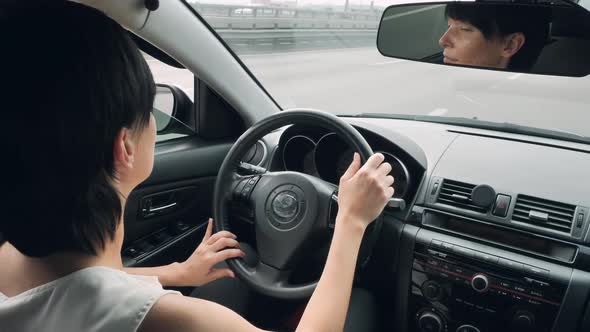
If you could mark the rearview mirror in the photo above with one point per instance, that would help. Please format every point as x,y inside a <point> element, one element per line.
<point>550,38</point>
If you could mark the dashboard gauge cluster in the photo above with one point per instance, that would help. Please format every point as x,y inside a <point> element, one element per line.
<point>328,157</point>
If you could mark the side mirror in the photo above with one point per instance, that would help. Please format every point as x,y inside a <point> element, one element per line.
<point>550,38</point>
<point>172,110</point>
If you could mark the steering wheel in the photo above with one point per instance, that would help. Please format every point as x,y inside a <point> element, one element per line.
<point>291,210</point>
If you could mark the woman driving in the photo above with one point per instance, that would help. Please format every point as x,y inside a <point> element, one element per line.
<point>82,137</point>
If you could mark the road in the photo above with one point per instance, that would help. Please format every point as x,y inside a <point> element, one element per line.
<point>355,80</point>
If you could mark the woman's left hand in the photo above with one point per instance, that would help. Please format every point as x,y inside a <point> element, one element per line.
<point>199,268</point>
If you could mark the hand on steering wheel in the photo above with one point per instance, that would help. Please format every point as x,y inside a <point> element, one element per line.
<point>364,191</point>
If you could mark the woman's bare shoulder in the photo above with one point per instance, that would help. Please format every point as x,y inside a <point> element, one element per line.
<point>173,312</point>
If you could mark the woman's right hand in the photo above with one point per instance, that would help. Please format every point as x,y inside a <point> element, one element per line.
<point>364,190</point>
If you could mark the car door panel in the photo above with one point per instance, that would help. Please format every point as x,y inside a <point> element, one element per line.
<point>165,216</point>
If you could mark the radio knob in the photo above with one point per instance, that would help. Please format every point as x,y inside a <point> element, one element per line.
<point>467,328</point>
<point>432,290</point>
<point>430,322</point>
<point>523,321</point>
<point>480,283</point>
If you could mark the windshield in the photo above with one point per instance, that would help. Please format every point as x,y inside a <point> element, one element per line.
<point>322,54</point>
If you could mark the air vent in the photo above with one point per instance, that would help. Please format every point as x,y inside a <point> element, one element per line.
<point>458,194</point>
<point>544,213</point>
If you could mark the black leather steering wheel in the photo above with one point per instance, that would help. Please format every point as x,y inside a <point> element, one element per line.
<point>291,209</point>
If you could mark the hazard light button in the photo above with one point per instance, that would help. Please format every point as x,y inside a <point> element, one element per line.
<point>501,206</point>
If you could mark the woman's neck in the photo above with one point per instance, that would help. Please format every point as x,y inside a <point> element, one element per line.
<point>21,273</point>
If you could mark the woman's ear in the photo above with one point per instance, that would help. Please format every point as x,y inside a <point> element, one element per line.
<point>123,151</point>
<point>513,43</point>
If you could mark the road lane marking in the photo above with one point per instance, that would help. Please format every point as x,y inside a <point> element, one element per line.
<point>438,112</point>
<point>385,63</point>
<point>323,52</point>
<point>515,76</point>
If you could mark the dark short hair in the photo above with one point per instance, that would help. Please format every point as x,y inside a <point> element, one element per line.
<point>496,20</point>
<point>73,78</point>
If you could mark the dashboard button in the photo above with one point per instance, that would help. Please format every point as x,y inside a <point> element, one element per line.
<point>536,293</point>
<point>536,271</point>
<point>436,243</point>
<point>501,206</point>
<point>580,220</point>
<point>433,262</point>
<point>447,246</point>
<point>458,269</point>
<point>511,264</point>
<point>519,288</point>
<point>434,188</point>
<point>464,251</point>
<point>486,257</point>
<point>539,284</point>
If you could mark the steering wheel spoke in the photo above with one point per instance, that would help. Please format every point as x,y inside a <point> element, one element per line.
<point>273,276</point>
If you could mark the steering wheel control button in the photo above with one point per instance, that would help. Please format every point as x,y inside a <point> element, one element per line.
<point>480,283</point>
<point>501,206</point>
<point>467,328</point>
<point>238,189</point>
<point>253,180</point>
<point>483,195</point>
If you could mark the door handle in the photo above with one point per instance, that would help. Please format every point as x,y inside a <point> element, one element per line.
<point>158,204</point>
<point>161,208</point>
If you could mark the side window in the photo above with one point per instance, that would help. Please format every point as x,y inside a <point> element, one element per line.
<point>174,85</point>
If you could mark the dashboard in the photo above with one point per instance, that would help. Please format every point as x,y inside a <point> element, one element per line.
<point>495,233</point>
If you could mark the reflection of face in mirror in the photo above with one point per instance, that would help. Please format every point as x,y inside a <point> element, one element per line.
<point>465,44</point>
<point>497,36</point>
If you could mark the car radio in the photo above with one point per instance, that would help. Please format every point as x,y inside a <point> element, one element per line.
<point>459,289</point>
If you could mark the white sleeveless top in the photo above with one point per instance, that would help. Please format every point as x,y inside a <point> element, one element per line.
<point>92,299</point>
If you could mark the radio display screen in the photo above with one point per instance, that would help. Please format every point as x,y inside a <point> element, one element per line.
<point>512,238</point>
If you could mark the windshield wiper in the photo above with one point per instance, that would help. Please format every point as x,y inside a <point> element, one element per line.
<point>480,124</point>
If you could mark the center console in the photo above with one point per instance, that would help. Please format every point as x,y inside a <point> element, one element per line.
<point>462,286</point>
